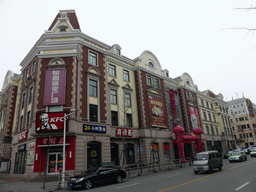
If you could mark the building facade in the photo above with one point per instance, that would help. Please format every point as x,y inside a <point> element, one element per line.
<point>242,115</point>
<point>106,108</point>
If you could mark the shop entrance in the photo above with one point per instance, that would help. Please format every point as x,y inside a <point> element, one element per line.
<point>93,154</point>
<point>55,163</point>
<point>129,153</point>
<point>114,153</point>
<point>20,162</point>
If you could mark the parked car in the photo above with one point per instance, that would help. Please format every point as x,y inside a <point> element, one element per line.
<point>207,161</point>
<point>246,151</point>
<point>253,152</point>
<point>237,156</point>
<point>227,154</point>
<point>97,175</point>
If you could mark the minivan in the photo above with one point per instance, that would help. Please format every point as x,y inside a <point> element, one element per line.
<point>207,161</point>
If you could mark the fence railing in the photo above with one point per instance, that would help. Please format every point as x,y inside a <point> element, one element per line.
<point>139,169</point>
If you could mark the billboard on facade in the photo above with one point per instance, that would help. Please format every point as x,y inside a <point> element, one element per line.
<point>156,111</point>
<point>55,87</point>
<point>250,108</point>
<point>194,117</point>
<point>50,122</point>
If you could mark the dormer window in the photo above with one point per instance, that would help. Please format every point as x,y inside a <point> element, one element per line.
<point>118,52</point>
<point>63,28</point>
<point>167,74</point>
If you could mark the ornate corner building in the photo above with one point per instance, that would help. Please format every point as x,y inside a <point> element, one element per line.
<point>113,109</point>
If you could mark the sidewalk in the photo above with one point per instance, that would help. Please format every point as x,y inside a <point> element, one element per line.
<point>18,183</point>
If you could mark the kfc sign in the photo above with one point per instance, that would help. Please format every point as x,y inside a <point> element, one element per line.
<point>123,132</point>
<point>23,135</point>
<point>49,122</point>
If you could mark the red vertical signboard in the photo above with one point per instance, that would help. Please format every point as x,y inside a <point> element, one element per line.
<point>55,87</point>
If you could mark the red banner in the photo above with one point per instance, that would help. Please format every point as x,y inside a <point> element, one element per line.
<point>156,110</point>
<point>50,122</point>
<point>55,87</point>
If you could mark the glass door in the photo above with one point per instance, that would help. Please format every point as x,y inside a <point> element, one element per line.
<point>55,163</point>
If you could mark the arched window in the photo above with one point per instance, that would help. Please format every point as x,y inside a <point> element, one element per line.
<point>150,64</point>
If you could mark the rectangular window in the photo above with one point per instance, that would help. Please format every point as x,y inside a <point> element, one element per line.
<point>128,120</point>
<point>93,88</point>
<point>28,119</point>
<point>30,95</point>
<point>207,130</point>
<point>33,67</point>
<point>21,122</point>
<point>188,95</point>
<point>113,96</point>
<point>0,117</point>
<point>126,75</point>
<point>205,118</point>
<point>149,81</point>
<point>112,70</point>
<point>217,131</point>
<point>214,118</point>
<point>93,58</point>
<point>127,98</point>
<point>93,113</point>
<point>157,83</point>
<point>23,101</point>
<point>212,106</point>
<point>202,103</point>
<point>207,104</point>
<point>246,118</point>
<point>248,126</point>
<point>114,118</point>
<point>210,117</point>
<point>27,73</point>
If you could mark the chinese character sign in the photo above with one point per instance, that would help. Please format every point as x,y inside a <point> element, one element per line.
<point>55,85</point>
<point>156,110</point>
<point>123,132</point>
<point>94,128</point>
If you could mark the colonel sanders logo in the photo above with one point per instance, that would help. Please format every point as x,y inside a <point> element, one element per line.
<point>44,118</point>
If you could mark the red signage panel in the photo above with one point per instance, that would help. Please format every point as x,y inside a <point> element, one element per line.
<point>23,135</point>
<point>55,87</point>
<point>123,132</point>
<point>50,122</point>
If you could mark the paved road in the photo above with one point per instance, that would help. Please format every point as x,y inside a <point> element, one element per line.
<point>234,177</point>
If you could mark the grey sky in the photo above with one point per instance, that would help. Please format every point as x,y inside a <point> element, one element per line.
<point>185,36</point>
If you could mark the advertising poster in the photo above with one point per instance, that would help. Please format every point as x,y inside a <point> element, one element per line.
<point>156,110</point>
<point>194,117</point>
<point>31,153</point>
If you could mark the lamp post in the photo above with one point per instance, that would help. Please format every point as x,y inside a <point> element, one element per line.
<point>66,116</point>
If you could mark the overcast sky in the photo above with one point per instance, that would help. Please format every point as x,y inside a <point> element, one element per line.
<point>186,36</point>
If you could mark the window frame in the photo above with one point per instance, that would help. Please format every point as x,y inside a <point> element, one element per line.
<point>28,118</point>
<point>92,57</point>
<point>91,106</point>
<point>114,123</point>
<point>149,80</point>
<point>158,87</point>
<point>93,89</point>
<point>128,101</point>
<point>112,70</point>
<point>126,75</point>
<point>113,97</point>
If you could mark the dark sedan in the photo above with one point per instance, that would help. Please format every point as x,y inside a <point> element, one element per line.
<point>97,175</point>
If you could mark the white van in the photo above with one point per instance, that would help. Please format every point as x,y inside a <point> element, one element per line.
<point>207,161</point>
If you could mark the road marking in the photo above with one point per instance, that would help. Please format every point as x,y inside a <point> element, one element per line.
<point>204,177</point>
<point>127,185</point>
<point>175,175</point>
<point>242,186</point>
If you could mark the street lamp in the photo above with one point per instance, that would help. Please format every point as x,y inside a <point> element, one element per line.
<point>66,116</point>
